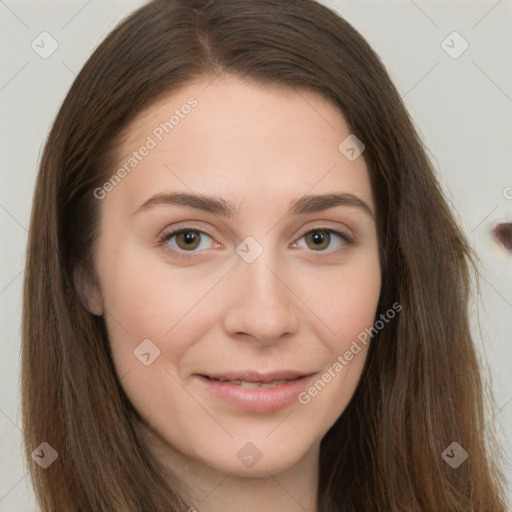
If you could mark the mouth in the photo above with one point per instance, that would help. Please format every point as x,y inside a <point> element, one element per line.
<point>246,378</point>
<point>252,385</point>
<point>255,392</point>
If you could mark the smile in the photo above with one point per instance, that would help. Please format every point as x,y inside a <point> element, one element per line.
<point>252,395</point>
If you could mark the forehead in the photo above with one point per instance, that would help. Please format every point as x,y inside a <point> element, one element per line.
<point>227,136</point>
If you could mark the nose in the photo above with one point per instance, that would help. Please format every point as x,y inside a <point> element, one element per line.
<point>262,306</point>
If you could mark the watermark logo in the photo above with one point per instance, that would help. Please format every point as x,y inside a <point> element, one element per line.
<point>454,45</point>
<point>146,352</point>
<point>454,455</point>
<point>343,360</point>
<point>44,45</point>
<point>351,147</point>
<point>249,250</point>
<point>152,140</point>
<point>249,455</point>
<point>45,455</point>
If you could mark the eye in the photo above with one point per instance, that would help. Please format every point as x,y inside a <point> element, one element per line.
<point>186,239</point>
<point>320,239</point>
<point>191,240</point>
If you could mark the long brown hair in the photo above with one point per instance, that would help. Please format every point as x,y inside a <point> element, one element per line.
<point>421,388</point>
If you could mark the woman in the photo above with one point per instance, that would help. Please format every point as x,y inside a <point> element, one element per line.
<point>245,289</point>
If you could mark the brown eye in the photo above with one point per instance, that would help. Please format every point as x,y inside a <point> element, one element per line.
<point>318,239</point>
<point>325,240</point>
<point>187,240</point>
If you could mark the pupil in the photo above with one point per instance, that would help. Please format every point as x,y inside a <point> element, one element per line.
<point>189,237</point>
<point>320,239</point>
<point>188,240</point>
<point>318,236</point>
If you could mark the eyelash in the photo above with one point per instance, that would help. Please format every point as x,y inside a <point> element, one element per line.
<point>166,236</point>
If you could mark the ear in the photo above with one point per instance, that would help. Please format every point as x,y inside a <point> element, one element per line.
<point>88,289</point>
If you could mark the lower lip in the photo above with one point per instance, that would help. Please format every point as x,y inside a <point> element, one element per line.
<point>257,399</point>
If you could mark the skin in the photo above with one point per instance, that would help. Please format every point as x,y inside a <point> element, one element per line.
<point>294,307</point>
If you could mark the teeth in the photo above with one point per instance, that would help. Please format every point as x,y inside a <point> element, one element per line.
<point>252,385</point>
<point>266,385</point>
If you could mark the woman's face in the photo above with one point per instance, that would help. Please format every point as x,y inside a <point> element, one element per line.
<point>258,286</point>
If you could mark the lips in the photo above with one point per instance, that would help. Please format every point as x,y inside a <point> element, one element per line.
<point>251,385</point>
<point>255,392</point>
<point>254,377</point>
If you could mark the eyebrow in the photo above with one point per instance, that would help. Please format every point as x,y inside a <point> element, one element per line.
<point>219,206</point>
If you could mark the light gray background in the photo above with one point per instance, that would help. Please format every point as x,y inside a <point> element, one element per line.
<point>461,106</point>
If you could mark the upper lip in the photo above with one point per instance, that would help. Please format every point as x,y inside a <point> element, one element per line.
<point>260,377</point>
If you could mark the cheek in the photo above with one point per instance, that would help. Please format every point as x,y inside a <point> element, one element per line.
<point>344,301</point>
<point>134,299</point>
<point>347,309</point>
<point>146,298</point>
<point>151,323</point>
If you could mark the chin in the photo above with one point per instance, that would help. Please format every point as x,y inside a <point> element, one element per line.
<point>256,460</point>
